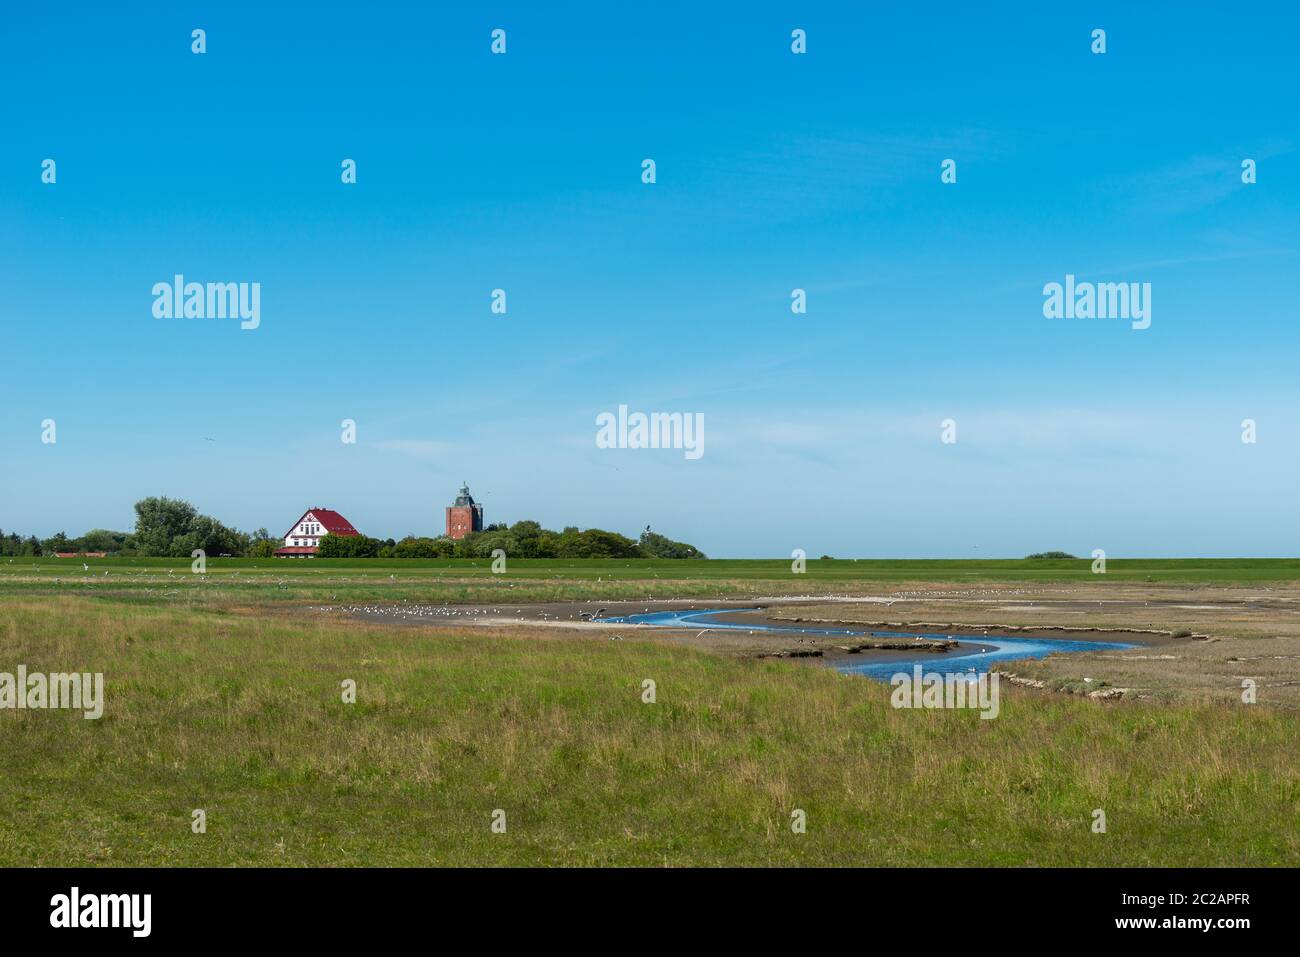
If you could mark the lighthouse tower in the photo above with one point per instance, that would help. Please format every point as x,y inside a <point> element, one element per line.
<point>464,515</point>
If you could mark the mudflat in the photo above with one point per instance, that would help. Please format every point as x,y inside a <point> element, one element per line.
<point>1211,641</point>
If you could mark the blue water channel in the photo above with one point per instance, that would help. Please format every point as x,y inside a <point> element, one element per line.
<point>973,658</point>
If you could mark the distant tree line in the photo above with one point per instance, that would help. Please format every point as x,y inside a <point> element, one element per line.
<point>96,540</point>
<point>14,544</point>
<point>173,528</point>
<point>164,527</point>
<point>523,539</point>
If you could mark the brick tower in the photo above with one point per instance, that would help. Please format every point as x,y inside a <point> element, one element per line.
<point>464,515</point>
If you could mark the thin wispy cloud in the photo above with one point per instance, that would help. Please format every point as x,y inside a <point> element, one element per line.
<point>1190,184</point>
<point>424,450</point>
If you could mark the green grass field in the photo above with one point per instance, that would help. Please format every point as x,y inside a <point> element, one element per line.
<point>237,579</point>
<point>218,698</point>
<point>242,717</point>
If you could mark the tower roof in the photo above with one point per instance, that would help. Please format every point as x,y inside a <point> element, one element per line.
<point>464,498</point>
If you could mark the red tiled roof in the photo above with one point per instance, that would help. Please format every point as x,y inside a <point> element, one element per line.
<point>334,523</point>
<point>330,520</point>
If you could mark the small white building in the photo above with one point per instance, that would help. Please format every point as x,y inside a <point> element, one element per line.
<point>303,538</point>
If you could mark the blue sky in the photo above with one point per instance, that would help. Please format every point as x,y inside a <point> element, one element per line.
<point>775,172</point>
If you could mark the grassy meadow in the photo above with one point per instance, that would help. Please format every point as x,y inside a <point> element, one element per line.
<point>242,715</point>
<point>248,580</point>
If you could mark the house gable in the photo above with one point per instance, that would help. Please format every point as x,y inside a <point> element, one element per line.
<point>305,534</point>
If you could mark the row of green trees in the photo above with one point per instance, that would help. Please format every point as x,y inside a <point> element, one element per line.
<point>173,528</point>
<point>14,544</point>
<point>523,539</point>
<point>96,540</point>
<point>164,527</point>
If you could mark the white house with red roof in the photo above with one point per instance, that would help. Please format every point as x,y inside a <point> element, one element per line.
<point>303,538</point>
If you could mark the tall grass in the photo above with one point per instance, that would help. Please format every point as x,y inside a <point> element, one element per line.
<point>243,718</point>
